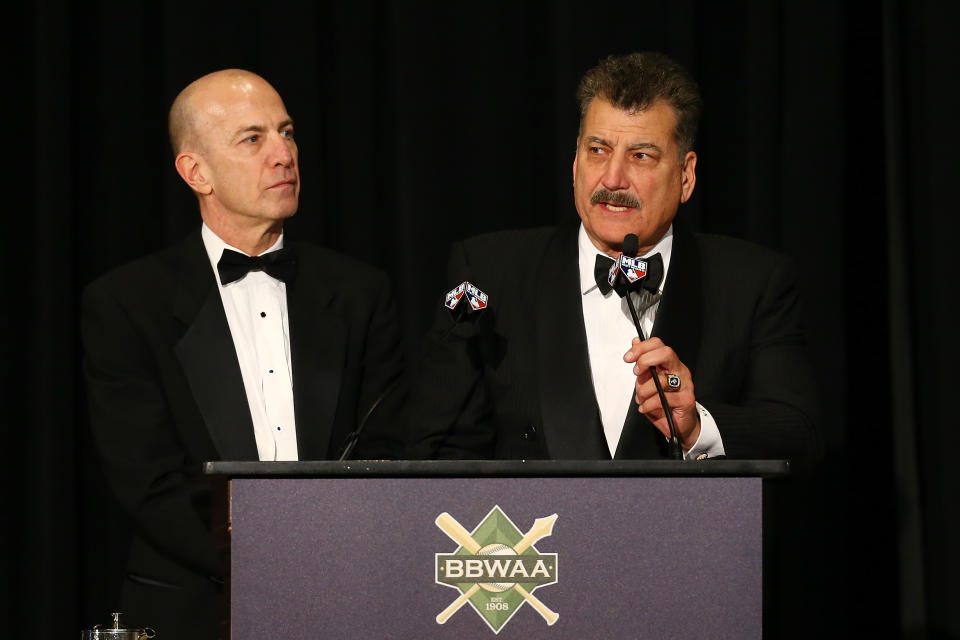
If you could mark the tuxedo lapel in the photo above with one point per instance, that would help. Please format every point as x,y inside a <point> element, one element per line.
<point>208,356</point>
<point>571,416</point>
<point>639,440</point>
<point>680,314</point>
<point>318,343</point>
<point>677,324</point>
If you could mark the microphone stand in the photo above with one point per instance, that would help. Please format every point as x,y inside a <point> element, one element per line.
<point>630,247</point>
<point>354,436</point>
<point>676,452</point>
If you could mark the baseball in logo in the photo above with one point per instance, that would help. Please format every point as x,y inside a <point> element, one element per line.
<point>496,568</point>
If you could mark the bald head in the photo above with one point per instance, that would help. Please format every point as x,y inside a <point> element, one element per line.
<point>234,147</point>
<point>205,100</point>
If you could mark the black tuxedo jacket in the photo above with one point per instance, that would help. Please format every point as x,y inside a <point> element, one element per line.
<point>516,383</point>
<point>166,394</point>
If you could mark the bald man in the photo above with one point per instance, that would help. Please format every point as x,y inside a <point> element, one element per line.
<point>233,345</point>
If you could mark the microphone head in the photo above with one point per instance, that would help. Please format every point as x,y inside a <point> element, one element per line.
<point>631,245</point>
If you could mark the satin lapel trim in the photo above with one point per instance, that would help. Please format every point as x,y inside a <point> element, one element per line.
<point>208,357</point>
<point>318,351</point>
<point>195,279</point>
<point>679,317</point>
<point>568,404</point>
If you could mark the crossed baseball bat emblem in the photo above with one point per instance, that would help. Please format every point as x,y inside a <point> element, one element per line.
<point>542,527</point>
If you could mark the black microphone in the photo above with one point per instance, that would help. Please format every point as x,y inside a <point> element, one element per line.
<point>354,436</point>
<point>631,245</point>
<point>623,284</point>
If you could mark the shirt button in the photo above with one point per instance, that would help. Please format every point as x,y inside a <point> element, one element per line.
<point>263,314</point>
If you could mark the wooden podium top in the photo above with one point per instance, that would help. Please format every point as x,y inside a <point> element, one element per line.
<point>498,468</point>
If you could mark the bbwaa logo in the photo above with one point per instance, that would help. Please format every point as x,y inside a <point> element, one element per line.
<point>496,568</point>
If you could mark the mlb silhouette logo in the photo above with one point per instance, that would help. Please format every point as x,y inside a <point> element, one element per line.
<point>454,295</point>
<point>633,269</point>
<point>478,299</point>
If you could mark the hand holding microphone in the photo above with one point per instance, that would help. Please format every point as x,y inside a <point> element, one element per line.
<point>654,360</point>
<point>657,364</point>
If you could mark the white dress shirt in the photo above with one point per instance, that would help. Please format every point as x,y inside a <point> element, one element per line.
<point>256,308</point>
<point>610,332</point>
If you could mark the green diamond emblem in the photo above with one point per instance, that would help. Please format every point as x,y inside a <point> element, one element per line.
<point>496,568</point>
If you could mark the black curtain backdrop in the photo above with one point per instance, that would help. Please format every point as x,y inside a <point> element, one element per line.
<point>829,134</point>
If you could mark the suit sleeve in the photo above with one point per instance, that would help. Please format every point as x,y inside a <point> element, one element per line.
<point>143,461</point>
<point>448,412</point>
<point>776,415</point>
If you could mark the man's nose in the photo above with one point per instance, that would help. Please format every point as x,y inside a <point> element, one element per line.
<point>282,151</point>
<point>614,177</point>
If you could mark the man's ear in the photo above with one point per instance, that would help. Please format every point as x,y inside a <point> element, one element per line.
<point>191,167</point>
<point>688,176</point>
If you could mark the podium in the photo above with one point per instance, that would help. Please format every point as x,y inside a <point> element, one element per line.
<point>483,549</point>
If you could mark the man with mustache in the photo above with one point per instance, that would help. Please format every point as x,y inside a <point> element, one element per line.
<point>233,345</point>
<point>554,368</point>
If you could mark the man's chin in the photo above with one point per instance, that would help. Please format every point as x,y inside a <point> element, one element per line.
<point>285,211</point>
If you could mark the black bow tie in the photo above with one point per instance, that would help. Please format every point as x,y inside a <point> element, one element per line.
<point>651,282</point>
<point>281,264</point>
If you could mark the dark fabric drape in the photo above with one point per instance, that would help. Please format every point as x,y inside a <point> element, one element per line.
<point>922,138</point>
<point>828,134</point>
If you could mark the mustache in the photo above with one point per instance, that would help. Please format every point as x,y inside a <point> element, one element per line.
<point>616,198</point>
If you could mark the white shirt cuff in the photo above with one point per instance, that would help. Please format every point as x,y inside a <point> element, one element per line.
<point>709,443</point>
